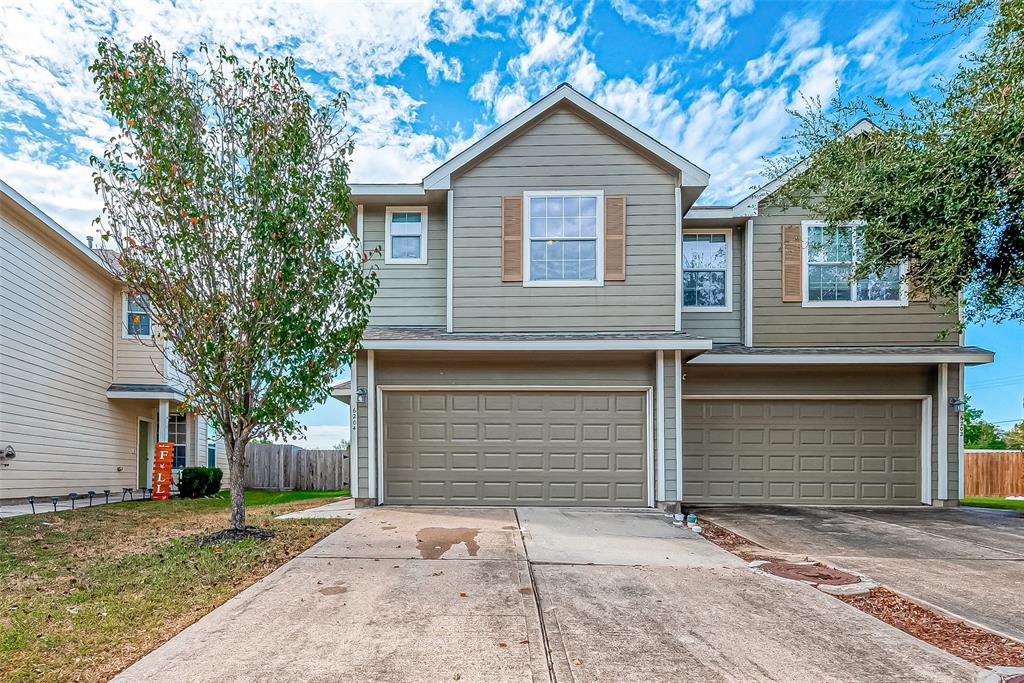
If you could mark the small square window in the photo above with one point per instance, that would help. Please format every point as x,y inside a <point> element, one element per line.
<point>707,271</point>
<point>405,239</point>
<point>137,319</point>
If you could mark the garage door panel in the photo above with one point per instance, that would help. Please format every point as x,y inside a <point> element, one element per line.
<point>527,447</point>
<point>802,451</point>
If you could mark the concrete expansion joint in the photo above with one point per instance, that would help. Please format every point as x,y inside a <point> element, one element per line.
<point>536,599</point>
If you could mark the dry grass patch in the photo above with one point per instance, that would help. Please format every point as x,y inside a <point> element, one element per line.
<point>88,592</point>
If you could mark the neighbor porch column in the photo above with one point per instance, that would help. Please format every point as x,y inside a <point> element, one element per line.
<point>163,417</point>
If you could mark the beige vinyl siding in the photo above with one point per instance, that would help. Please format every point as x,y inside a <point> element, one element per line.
<point>56,362</point>
<point>497,369</point>
<point>563,151</point>
<point>409,294</point>
<point>722,327</point>
<point>136,361</point>
<point>790,324</point>
<point>866,380</point>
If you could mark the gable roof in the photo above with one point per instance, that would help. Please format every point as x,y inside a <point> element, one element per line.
<point>690,175</point>
<point>53,227</point>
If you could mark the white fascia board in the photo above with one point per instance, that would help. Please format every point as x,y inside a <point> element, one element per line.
<point>539,345</point>
<point>720,212</point>
<point>842,359</point>
<point>161,395</point>
<point>691,175</point>
<point>383,189</point>
<point>61,232</point>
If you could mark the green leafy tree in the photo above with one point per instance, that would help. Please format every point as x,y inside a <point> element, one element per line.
<point>225,192</point>
<point>978,432</point>
<point>1014,437</point>
<point>939,184</point>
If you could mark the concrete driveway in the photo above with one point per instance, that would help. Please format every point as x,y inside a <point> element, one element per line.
<point>414,594</point>
<point>966,561</point>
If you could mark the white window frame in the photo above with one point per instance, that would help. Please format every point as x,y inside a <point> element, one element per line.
<point>125,334</point>
<point>727,308</point>
<point>599,280</point>
<point>388,258</point>
<point>904,299</point>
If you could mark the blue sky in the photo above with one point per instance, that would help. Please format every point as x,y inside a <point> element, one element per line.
<point>711,78</point>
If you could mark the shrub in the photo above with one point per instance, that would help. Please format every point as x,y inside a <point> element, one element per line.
<point>193,482</point>
<point>216,475</point>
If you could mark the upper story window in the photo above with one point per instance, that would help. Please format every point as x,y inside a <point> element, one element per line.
<point>707,271</point>
<point>830,259</point>
<point>565,238</point>
<point>405,238</point>
<point>137,320</point>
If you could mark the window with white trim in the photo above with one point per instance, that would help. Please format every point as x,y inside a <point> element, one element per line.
<point>707,271</point>
<point>564,243</point>
<point>177,434</point>
<point>211,446</point>
<point>405,239</point>
<point>831,256</point>
<point>137,320</point>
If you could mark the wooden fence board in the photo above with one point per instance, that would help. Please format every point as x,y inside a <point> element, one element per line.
<point>277,466</point>
<point>994,473</point>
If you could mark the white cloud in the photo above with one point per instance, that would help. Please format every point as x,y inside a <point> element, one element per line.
<point>704,25</point>
<point>323,437</point>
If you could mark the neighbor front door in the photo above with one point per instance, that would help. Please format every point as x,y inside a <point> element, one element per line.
<point>143,453</point>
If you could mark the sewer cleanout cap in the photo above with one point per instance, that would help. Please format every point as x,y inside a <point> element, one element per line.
<point>812,573</point>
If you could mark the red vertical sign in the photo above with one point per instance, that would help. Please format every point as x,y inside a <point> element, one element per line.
<point>162,463</point>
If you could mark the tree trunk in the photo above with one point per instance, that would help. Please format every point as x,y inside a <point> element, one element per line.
<point>237,462</point>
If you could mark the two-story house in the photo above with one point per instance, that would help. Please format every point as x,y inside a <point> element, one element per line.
<point>85,392</point>
<point>559,324</point>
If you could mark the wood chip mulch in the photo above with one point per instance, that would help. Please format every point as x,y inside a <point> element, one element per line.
<point>734,543</point>
<point>976,645</point>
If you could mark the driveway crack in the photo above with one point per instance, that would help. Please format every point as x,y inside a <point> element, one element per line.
<point>537,602</point>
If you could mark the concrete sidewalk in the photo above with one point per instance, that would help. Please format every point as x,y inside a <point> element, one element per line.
<point>416,594</point>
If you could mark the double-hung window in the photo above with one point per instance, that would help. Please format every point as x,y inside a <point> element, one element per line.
<point>831,256</point>
<point>405,239</point>
<point>177,434</point>
<point>707,271</point>
<point>564,245</point>
<point>137,320</point>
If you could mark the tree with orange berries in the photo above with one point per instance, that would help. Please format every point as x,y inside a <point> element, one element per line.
<point>226,195</point>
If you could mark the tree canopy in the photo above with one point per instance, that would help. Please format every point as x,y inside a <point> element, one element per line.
<point>939,183</point>
<point>225,192</point>
<point>979,433</point>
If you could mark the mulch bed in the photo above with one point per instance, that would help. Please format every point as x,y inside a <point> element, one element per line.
<point>976,645</point>
<point>734,543</point>
<point>248,532</point>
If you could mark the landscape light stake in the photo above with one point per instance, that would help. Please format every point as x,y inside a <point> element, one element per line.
<point>126,491</point>
<point>72,496</point>
<point>54,499</point>
<point>91,494</point>
<point>106,495</point>
<point>32,502</point>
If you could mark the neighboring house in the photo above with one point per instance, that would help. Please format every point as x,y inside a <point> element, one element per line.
<point>558,323</point>
<point>84,390</point>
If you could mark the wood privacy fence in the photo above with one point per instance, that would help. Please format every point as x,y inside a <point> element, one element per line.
<point>994,473</point>
<point>275,466</point>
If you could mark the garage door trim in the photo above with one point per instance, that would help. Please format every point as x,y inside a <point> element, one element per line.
<point>926,419</point>
<point>647,390</point>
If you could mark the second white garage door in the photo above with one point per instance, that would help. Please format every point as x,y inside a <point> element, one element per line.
<point>515,448</point>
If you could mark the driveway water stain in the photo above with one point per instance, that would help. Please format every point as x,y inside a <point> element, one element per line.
<point>334,590</point>
<point>435,541</point>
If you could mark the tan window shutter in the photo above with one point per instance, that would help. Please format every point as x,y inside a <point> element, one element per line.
<point>614,238</point>
<point>792,264</point>
<point>511,239</point>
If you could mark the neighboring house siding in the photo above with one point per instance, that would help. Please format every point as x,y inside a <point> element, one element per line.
<point>137,361</point>
<point>722,327</point>
<point>409,294</point>
<point>56,362</point>
<point>563,151</point>
<point>790,324</point>
<point>867,380</point>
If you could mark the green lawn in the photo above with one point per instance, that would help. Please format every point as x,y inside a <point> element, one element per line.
<point>85,593</point>
<point>1000,503</point>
